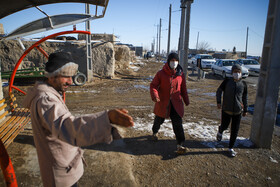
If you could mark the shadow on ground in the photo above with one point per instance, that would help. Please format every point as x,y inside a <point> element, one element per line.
<point>165,148</point>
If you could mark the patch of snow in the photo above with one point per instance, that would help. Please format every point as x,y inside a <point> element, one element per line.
<point>205,130</point>
<point>134,68</point>
<point>213,94</point>
<point>82,91</point>
<point>192,90</point>
<point>142,86</point>
<point>140,107</point>
<point>273,160</point>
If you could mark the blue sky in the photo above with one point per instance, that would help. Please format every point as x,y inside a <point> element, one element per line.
<point>221,23</point>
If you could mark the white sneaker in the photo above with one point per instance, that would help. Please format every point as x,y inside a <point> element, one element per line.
<point>181,149</point>
<point>232,153</point>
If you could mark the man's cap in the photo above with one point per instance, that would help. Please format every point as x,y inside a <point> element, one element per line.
<point>60,63</point>
<point>172,56</point>
<point>236,66</point>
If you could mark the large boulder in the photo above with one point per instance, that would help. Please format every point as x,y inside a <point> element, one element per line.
<point>122,57</point>
<point>103,61</point>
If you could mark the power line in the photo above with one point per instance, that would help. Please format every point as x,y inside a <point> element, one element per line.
<point>257,34</point>
<point>210,30</point>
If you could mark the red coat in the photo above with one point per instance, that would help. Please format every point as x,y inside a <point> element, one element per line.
<point>169,85</point>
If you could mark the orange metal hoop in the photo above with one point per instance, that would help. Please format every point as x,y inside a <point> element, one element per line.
<point>11,86</point>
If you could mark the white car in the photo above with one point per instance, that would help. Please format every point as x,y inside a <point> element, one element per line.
<point>252,65</point>
<point>223,67</point>
<point>206,60</point>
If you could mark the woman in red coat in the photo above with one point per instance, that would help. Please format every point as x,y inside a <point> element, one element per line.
<point>167,89</point>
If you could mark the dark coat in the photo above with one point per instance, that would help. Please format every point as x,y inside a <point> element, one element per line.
<point>235,97</point>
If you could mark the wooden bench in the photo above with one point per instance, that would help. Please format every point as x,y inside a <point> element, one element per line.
<point>14,119</point>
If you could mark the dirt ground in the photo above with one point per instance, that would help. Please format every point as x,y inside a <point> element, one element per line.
<point>137,161</point>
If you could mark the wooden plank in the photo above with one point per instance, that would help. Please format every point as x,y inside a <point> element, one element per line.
<point>3,106</point>
<point>6,126</point>
<point>20,127</point>
<point>2,101</point>
<point>14,122</point>
<point>3,115</point>
<point>12,126</point>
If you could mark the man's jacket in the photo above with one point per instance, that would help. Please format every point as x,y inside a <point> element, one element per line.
<point>58,135</point>
<point>235,97</point>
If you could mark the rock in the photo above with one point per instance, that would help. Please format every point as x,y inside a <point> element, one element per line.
<point>103,60</point>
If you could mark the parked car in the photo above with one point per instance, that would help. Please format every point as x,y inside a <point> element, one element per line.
<point>150,55</point>
<point>223,67</point>
<point>206,60</point>
<point>252,65</point>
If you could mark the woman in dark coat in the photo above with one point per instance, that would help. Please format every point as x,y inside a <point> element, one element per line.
<point>168,90</point>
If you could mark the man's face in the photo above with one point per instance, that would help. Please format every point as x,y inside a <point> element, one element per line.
<point>60,83</point>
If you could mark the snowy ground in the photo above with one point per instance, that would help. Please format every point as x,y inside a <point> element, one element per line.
<point>205,130</point>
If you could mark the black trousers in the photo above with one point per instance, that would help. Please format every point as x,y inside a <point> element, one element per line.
<point>226,118</point>
<point>176,124</point>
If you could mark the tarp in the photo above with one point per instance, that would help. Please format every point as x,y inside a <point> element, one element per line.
<point>8,7</point>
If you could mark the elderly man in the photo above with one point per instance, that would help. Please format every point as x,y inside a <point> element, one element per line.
<point>58,135</point>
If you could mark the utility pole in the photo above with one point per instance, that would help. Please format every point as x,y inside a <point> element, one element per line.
<point>265,108</point>
<point>197,41</point>
<point>246,43</point>
<point>169,30</point>
<point>154,43</point>
<point>185,4</point>
<point>157,42</point>
<point>88,44</point>
<point>182,30</point>
<point>159,38</point>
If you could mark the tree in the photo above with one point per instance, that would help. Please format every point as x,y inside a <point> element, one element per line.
<point>203,46</point>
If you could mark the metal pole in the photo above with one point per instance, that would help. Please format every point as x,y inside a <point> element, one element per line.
<point>159,39</point>
<point>197,41</point>
<point>157,42</point>
<point>246,43</point>
<point>88,44</point>
<point>169,30</point>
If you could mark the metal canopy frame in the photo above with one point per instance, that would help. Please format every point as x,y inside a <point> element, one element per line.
<point>48,23</point>
<point>55,21</point>
<point>13,6</point>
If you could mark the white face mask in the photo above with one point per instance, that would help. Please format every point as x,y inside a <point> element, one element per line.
<point>237,76</point>
<point>173,64</point>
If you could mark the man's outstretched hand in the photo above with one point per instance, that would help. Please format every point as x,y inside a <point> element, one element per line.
<point>120,117</point>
